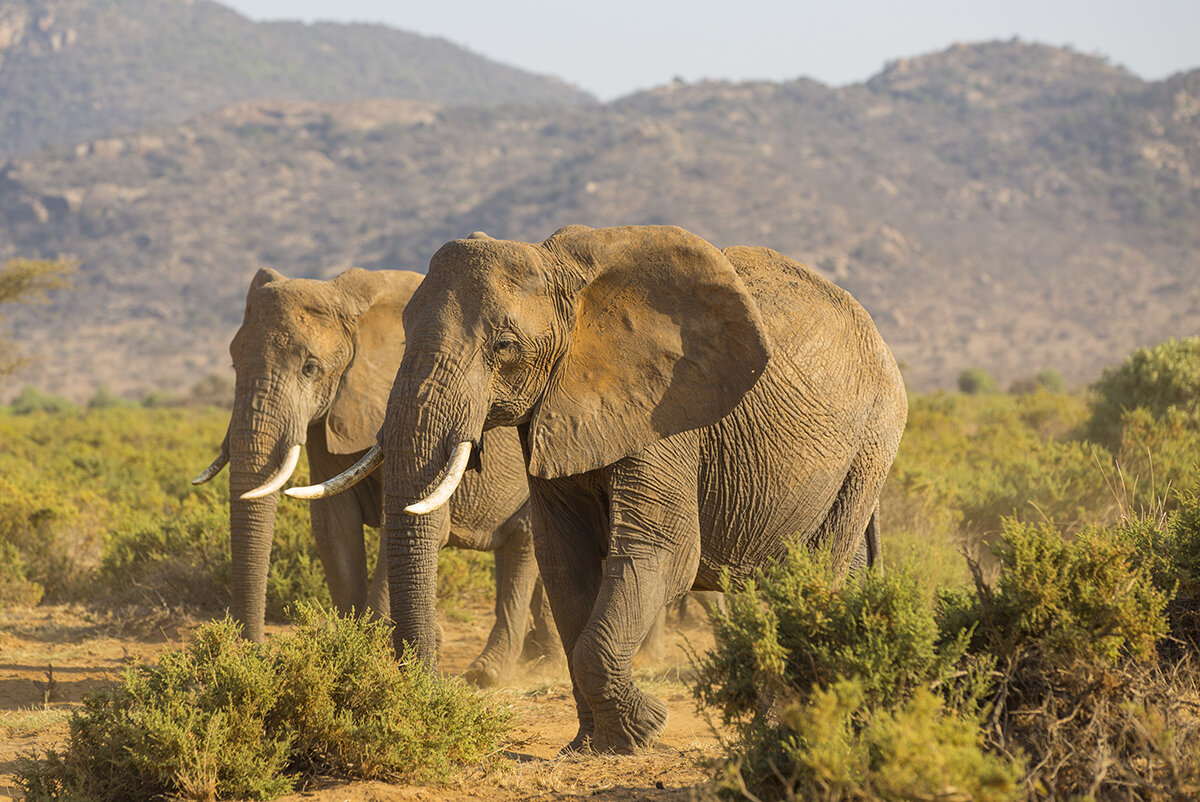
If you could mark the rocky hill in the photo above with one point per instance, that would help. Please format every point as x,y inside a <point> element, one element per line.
<point>1004,205</point>
<point>72,70</point>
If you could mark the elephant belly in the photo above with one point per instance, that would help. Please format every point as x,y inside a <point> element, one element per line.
<point>770,472</point>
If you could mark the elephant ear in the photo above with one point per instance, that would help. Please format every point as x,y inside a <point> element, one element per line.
<point>666,338</point>
<point>262,278</point>
<point>375,302</point>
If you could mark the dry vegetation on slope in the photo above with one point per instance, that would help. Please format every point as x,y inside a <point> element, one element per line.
<point>73,70</point>
<point>1005,205</point>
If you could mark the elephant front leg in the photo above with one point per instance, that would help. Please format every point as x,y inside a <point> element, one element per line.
<point>570,523</point>
<point>632,598</point>
<point>516,576</point>
<point>654,551</point>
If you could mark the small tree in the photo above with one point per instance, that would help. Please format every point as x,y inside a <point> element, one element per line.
<point>1163,380</point>
<point>26,280</point>
<point>976,381</point>
<point>1051,381</point>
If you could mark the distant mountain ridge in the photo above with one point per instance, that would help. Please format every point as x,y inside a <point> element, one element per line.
<point>72,70</point>
<point>1002,205</point>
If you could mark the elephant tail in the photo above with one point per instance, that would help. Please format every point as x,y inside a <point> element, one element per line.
<point>874,544</point>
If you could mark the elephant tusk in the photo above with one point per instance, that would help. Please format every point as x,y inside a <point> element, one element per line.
<point>346,479</point>
<point>212,470</point>
<point>455,469</point>
<point>279,479</point>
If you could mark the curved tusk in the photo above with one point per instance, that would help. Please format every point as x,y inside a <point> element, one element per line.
<point>279,479</point>
<point>212,470</point>
<point>346,479</point>
<point>455,469</point>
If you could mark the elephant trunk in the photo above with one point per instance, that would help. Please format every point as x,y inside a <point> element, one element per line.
<point>427,421</point>
<point>260,440</point>
<point>412,554</point>
<point>251,531</point>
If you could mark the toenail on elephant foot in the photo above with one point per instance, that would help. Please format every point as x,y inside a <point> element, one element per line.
<point>482,675</point>
<point>580,744</point>
<point>637,730</point>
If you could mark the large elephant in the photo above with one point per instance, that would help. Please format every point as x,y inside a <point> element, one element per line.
<point>314,362</point>
<point>682,410</point>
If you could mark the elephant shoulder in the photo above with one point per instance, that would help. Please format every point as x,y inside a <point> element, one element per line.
<point>810,319</point>
<point>784,289</point>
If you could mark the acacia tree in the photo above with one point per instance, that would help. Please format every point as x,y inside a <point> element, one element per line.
<point>25,281</point>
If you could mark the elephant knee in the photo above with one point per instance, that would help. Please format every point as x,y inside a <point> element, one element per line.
<point>594,664</point>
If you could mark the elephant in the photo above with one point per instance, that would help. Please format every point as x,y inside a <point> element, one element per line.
<point>682,411</point>
<point>314,362</point>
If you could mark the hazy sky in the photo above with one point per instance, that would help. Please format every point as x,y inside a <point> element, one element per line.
<point>614,47</point>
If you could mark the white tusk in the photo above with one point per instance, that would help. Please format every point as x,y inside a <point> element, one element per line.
<point>279,479</point>
<point>455,469</point>
<point>212,470</point>
<point>346,479</point>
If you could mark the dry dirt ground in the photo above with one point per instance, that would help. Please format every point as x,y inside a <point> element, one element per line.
<point>51,656</point>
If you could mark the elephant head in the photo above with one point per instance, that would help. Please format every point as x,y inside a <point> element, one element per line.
<point>594,343</point>
<point>313,359</point>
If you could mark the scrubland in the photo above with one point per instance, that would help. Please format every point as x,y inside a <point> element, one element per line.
<point>1032,637</point>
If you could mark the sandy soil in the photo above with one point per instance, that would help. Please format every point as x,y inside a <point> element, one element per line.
<point>51,656</point>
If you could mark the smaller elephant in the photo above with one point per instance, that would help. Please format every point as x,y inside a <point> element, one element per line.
<point>314,362</point>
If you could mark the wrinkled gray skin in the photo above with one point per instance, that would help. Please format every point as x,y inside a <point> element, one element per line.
<point>681,409</point>
<point>314,362</point>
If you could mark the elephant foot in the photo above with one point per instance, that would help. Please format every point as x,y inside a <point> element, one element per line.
<point>537,650</point>
<point>580,744</point>
<point>487,672</point>
<point>635,727</point>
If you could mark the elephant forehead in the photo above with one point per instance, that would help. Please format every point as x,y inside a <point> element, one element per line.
<point>283,317</point>
<point>479,281</point>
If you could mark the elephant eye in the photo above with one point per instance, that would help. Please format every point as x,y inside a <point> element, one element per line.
<point>507,348</point>
<point>311,369</point>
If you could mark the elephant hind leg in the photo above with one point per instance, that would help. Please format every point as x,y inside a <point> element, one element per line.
<point>542,645</point>
<point>850,531</point>
<point>516,575</point>
<point>870,550</point>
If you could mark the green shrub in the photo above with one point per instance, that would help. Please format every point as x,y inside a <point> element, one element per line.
<point>31,400</point>
<point>1072,627</point>
<point>225,718</point>
<point>47,537</point>
<point>106,398</point>
<point>70,478</point>
<point>1161,380</point>
<point>1051,381</point>
<point>465,579</point>
<point>976,381</point>
<point>968,462</point>
<point>98,505</point>
<point>1088,599</point>
<point>16,589</point>
<point>785,646</point>
<point>796,627</point>
<point>838,747</point>
<point>1157,457</point>
<point>182,559</point>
